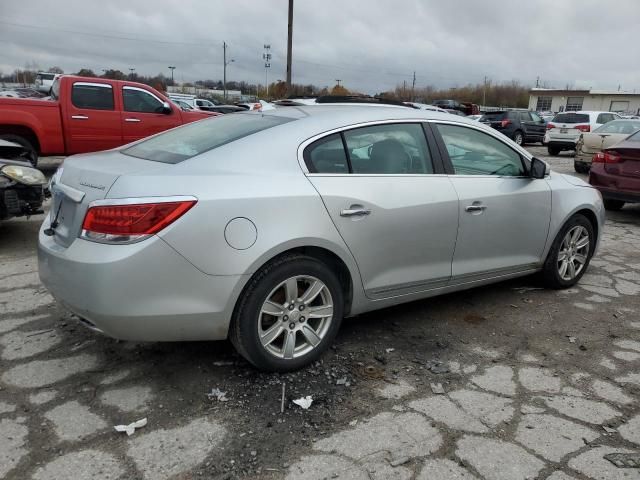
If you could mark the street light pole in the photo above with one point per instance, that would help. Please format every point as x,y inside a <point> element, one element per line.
<point>132,70</point>
<point>224,72</point>
<point>172,69</point>
<point>289,46</point>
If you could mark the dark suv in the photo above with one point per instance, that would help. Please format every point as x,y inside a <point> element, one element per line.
<point>521,127</point>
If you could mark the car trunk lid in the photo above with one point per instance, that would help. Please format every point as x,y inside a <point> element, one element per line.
<point>86,178</point>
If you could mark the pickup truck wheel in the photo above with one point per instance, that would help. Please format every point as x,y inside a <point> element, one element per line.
<point>30,155</point>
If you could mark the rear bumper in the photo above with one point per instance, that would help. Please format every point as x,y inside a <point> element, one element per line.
<point>145,291</point>
<point>628,197</point>
<point>17,200</point>
<point>583,158</point>
<point>607,184</point>
<point>561,144</point>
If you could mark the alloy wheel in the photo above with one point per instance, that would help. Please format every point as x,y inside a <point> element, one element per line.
<point>518,138</point>
<point>573,253</point>
<point>295,317</point>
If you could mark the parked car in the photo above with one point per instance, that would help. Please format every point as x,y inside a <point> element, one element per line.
<point>446,104</point>
<point>615,172</point>
<point>87,115</point>
<point>455,112</point>
<point>188,108</point>
<point>475,117</point>
<point>565,128</point>
<point>21,186</point>
<point>189,235</point>
<point>44,81</point>
<point>602,137</point>
<point>261,105</point>
<point>216,106</point>
<point>520,126</point>
<point>424,106</point>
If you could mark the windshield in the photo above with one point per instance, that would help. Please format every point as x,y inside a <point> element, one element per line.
<point>571,118</point>
<point>619,126</point>
<point>193,139</point>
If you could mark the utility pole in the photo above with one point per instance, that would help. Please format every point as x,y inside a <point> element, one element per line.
<point>224,72</point>
<point>484,92</point>
<point>404,89</point>
<point>266,56</point>
<point>289,46</point>
<point>413,86</point>
<point>132,70</point>
<point>338,80</point>
<point>537,82</point>
<point>172,69</point>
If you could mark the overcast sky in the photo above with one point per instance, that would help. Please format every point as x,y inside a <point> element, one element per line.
<point>370,45</point>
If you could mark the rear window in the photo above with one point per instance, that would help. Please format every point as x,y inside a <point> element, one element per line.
<point>46,76</point>
<point>571,118</point>
<point>492,116</point>
<point>193,139</point>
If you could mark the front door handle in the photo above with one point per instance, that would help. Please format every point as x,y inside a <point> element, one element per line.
<point>79,117</point>
<point>355,212</point>
<point>131,119</point>
<point>475,208</point>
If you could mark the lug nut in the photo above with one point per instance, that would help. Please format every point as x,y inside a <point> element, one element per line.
<point>301,319</point>
<point>301,308</point>
<point>292,325</point>
<point>291,307</point>
<point>285,318</point>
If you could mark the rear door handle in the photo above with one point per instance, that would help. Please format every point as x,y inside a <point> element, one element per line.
<point>475,208</point>
<point>79,117</point>
<point>355,212</point>
<point>131,119</point>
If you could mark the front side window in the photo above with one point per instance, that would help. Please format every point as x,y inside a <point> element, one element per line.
<point>91,96</point>
<point>473,152</point>
<point>536,118</point>
<point>390,149</point>
<point>327,155</point>
<point>525,117</point>
<point>138,100</point>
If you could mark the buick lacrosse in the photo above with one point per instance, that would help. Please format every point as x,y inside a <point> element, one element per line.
<point>269,228</point>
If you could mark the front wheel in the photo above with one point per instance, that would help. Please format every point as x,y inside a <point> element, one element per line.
<point>518,137</point>
<point>570,253</point>
<point>289,314</point>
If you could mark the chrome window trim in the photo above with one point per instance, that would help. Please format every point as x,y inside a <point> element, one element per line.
<point>141,200</point>
<point>92,84</point>
<point>128,87</point>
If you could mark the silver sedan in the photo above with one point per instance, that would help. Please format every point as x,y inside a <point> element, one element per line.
<point>269,228</point>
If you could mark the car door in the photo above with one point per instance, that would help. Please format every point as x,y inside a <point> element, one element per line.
<point>385,192</point>
<point>143,114</point>
<point>504,214</point>
<point>91,121</point>
<point>537,126</point>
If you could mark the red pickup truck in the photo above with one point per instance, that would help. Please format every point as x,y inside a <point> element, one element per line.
<point>87,115</point>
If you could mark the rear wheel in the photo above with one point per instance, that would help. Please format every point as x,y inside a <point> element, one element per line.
<point>611,204</point>
<point>30,155</point>
<point>289,314</point>
<point>570,253</point>
<point>518,137</point>
<point>553,151</point>
<point>580,167</point>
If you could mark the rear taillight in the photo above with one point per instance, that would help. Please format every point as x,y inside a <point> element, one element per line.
<point>128,221</point>
<point>584,128</point>
<point>550,126</point>
<point>606,157</point>
<point>504,123</point>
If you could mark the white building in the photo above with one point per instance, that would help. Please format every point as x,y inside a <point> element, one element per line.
<point>554,100</point>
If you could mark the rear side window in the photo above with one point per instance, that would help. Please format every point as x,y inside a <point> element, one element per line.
<point>476,153</point>
<point>179,144</point>
<point>525,117</point>
<point>327,155</point>
<point>390,149</point>
<point>493,116</point>
<point>605,117</point>
<point>571,118</point>
<point>93,96</point>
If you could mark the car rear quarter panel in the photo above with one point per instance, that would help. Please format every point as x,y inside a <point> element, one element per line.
<point>42,117</point>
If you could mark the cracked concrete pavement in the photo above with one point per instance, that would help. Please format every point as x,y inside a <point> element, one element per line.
<point>537,384</point>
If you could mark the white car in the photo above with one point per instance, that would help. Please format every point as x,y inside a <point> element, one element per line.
<point>44,81</point>
<point>565,129</point>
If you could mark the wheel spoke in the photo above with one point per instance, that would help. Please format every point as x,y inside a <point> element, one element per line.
<point>312,292</point>
<point>267,337</point>
<point>572,269</point>
<point>311,336</point>
<point>576,234</point>
<point>562,255</point>
<point>563,268</point>
<point>581,259</point>
<point>289,344</point>
<point>272,308</point>
<point>320,312</point>
<point>583,242</point>
<point>291,289</point>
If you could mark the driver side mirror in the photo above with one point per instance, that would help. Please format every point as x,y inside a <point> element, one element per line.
<point>538,168</point>
<point>166,108</point>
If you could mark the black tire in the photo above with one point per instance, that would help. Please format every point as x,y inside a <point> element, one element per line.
<point>580,167</point>
<point>553,151</point>
<point>31,155</point>
<point>518,137</point>
<point>243,331</point>
<point>550,274</point>
<point>613,205</point>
